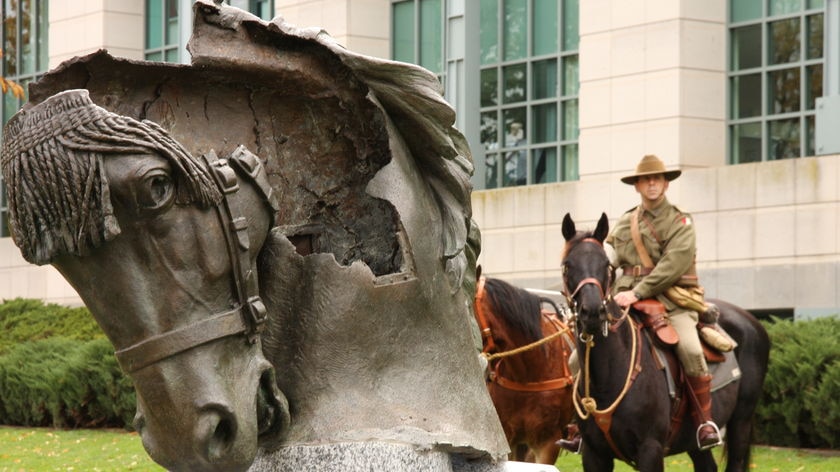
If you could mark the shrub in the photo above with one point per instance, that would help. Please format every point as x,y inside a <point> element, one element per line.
<point>800,406</point>
<point>58,369</point>
<point>62,382</point>
<point>30,320</point>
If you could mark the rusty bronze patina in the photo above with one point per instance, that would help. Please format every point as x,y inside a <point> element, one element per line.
<point>276,238</point>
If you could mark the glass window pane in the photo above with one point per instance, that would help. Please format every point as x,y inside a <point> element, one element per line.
<point>570,75</point>
<point>263,9</point>
<point>544,165</point>
<point>172,55</point>
<point>570,120</point>
<point>784,41</point>
<point>154,21</point>
<point>27,38</point>
<point>570,162</point>
<point>172,33</point>
<point>155,56</point>
<point>746,47</point>
<point>489,87</point>
<point>43,41</point>
<point>515,127</point>
<point>571,34</point>
<point>545,27</point>
<point>743,10</point>
<point>403,24</point>
<point>491,171</point>
<point>431,35</point>
<point>783,87</point>
<point>810,134</point>
<point>10,105</point>
<point>515,168</point>
<point>489,130</point>
<point>784,139</point>
<point>746,96</point>
<point>816,4</point>
<point>746,143</point>
<point>515,85</point>
<point>545,79</point>
<point>10,43</point>
<point>515,26</point>
<point>814,47</point>
<point>780,7</point>
<point>814,85</point>
<point>545,123</point>
<point>489,31</point>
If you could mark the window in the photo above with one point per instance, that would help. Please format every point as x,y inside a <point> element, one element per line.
<point>25,58</point>
<point>529,91</point>
<point>775,75</point>
<point>418,36</point>
<point>165,32</point>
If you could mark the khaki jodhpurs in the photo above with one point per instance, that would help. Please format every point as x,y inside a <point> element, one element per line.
<point>689,351</point>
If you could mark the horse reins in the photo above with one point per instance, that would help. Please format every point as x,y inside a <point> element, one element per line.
<point>248,315</point>
<point>490,346</point>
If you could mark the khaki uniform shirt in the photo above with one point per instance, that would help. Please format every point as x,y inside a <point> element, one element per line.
<point>671,243</point>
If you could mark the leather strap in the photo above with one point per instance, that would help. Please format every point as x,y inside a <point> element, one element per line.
<point>637,239</point>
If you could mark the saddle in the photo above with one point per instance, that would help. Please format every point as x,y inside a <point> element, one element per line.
<point>713,338</point>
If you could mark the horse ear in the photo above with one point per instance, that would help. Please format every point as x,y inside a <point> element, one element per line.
<point>569,230</point>
<point>602,229</point>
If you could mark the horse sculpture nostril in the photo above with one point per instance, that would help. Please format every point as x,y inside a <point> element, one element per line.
<point>217,432</point>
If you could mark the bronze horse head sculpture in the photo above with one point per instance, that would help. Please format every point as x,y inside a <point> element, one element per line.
<point>277,239</point>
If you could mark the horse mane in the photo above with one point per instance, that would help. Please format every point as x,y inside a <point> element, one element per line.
<point>517,307</point>
<point>52,162</point>
<point>413,99</point>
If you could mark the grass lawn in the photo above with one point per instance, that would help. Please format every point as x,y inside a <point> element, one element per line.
<point>44,449</point>
<point>764,459</point>
<point>81,450</point>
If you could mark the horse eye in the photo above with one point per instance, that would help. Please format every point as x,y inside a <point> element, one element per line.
<point>156,192</point>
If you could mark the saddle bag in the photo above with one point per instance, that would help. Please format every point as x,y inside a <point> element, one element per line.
<point>693,298</point>
<point>655,320</point>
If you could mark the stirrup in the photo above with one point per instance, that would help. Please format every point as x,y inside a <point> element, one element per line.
<point>717,430</point>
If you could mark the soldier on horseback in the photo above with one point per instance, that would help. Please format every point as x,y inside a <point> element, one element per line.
<point>654,246</point>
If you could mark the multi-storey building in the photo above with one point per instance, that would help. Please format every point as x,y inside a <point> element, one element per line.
<point>559,98</point>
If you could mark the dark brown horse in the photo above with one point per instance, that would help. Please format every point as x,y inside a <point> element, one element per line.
<point>624,396</point>
<point>529,379</point>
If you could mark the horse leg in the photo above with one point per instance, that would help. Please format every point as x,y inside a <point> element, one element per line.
<point>546,453</point>
<point>651,456</point>
<point>592,461</point>
<point>738,436</point>
<point>703,461</point>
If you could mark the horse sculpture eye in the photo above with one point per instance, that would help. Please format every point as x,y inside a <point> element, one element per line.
<point>157,192</point>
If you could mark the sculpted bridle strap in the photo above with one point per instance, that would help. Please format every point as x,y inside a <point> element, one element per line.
<point>248,315</point>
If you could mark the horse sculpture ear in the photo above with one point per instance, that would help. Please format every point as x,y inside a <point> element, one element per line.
<point>603,228</point>
<point>569,230</point>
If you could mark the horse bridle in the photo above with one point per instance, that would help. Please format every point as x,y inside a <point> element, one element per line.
<point>247,316</point>
<point>606,297</point>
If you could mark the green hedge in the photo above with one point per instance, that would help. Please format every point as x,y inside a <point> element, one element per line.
<point>58,369</point>
<point>801,402</point>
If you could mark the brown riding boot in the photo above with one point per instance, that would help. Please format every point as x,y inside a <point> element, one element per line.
<point>572,444</point>
<point>708,434</point>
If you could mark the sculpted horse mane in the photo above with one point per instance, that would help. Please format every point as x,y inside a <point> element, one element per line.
<point>366,274</point>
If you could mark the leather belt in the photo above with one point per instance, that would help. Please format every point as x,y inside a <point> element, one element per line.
<point>636,270</point>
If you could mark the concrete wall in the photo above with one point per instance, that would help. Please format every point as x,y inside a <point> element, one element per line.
<point>362,26</point>
<point>768,234</point>
<point>652,81</point>
<point>79,28</point>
